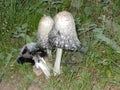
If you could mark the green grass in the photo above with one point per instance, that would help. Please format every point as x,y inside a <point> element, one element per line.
<point>99,68</point>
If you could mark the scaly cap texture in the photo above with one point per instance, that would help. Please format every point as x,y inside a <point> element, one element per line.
<point>63,35</point>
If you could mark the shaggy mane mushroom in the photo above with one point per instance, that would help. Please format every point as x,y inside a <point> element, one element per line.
<point>63,36</point>
<point>44,27</point>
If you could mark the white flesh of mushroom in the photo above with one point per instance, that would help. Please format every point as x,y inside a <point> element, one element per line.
<point>40,63</point>
<point>57,62</point>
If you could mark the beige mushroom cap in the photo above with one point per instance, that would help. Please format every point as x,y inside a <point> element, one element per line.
<point>44,27</point>
<point>63,35</point>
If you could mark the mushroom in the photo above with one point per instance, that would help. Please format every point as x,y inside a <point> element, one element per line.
<point>63,36</point>
<point>25,54</point>
<point>44,27</point>
<point>30,53</point>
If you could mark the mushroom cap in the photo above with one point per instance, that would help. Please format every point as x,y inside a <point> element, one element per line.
<point>28,51</point>
<point>44,27</point>
<point>25,54</point>
<point>63,35</point>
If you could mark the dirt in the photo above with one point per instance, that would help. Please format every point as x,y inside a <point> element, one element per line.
<point>4,85</point>
<point>14,85</point>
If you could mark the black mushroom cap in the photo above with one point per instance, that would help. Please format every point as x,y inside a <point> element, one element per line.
<point>63,35</point>
<point>44,27</point>
<point>28,51</point>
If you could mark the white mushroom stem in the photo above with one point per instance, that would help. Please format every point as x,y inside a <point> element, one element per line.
<point>49,54</point>
<point>57,61</point>
<point>40,63</point>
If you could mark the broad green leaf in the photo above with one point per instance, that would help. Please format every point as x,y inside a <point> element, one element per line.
<point>24,26</point>
<point>98,30</point>
<point>88,11</point>
<point>19,29</point>
<point>109,42</point>
<point>92,25</point>
<point>76,3</point>
<point>116,27</point>
<point>108,72</point>
<point>28,39</point>
<point>2,56</point>
<point>8,58</point>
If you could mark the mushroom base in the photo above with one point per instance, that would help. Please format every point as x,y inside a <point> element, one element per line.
<point>57,61</point>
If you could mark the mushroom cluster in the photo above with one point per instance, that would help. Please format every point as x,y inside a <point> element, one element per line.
<point>59,34</point>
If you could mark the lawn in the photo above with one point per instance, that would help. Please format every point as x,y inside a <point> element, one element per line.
<point>97,26</point>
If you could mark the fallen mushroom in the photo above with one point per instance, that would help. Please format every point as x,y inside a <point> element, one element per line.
<point>36,56</point>
<point>41,64</point>
<point>25,54</point>
<point>63,36</point>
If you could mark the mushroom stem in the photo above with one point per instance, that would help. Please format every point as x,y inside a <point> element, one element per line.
<point>49,54</point>
<point>40,63</point>
<point>57,61</point>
